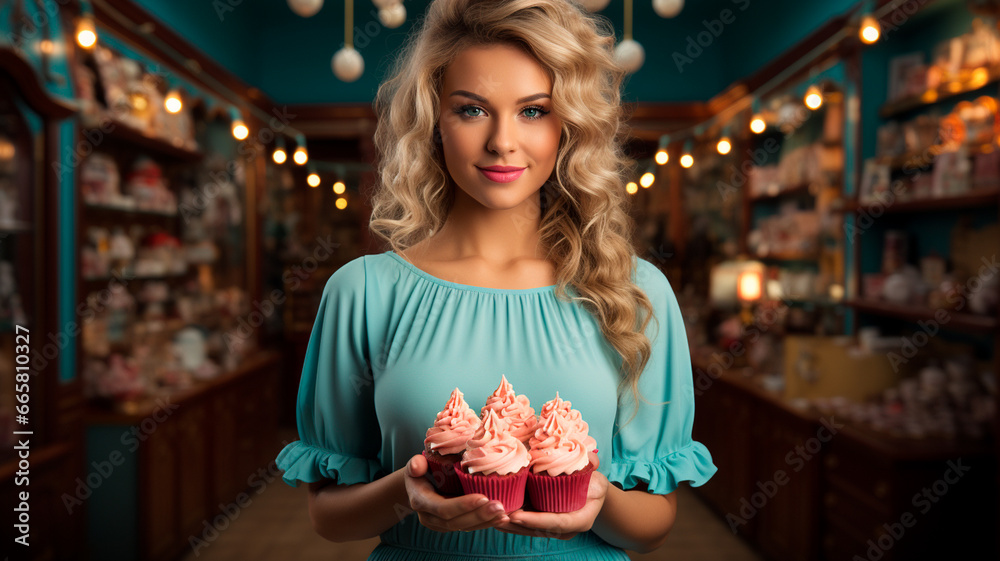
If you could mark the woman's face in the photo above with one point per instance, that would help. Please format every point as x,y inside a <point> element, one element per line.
<point>496,110</point>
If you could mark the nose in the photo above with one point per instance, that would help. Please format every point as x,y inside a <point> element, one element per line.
<point>503,139</point>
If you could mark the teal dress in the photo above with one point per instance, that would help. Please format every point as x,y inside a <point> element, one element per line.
<point>391,342</point>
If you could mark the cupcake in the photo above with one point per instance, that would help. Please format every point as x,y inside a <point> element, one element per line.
<point>558,406</point>
<point>445,442</point>
<point>495,464</point>
<point>516,410</point>
<point>559,468</point>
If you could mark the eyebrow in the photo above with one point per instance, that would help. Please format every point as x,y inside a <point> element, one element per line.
<point>482,99</point>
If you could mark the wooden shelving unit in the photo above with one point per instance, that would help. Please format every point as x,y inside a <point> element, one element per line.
<point>967,322</point>
<point>975,81</point>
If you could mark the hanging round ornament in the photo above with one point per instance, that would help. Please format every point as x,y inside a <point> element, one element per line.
<point>668,8</point>
<point>392,16</point>
<point>630,55</point>
<point>305,8</point>
<point>348,65</point>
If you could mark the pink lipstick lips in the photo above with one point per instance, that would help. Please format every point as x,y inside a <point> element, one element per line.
<point>501,174</point>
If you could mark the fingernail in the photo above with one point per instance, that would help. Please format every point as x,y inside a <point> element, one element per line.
<point>496,508</point>
<point>482,501</point>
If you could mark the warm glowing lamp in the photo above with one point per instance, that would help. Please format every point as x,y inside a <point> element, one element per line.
<point>631,188</point>
<point>339,187</point>
<point>86,33</point>
<point>814,97</point>
<point>646,180</point>
<point>341,203</point>
<point>870,29</point>
<point>173,103</point>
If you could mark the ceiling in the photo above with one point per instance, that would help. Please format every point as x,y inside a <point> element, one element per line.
<point>288,57</point>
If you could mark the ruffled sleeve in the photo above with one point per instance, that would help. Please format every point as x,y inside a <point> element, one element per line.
<point>655,446</point>
<point>339,435</point>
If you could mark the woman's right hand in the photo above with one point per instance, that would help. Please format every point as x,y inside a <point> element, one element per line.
<point>448,514</point>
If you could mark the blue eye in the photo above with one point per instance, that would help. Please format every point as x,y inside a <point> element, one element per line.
<point>538,112</point>
<point>465,108</point>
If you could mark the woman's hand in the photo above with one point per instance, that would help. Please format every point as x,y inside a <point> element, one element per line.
<point>448,514</point>
<point>562,525</point>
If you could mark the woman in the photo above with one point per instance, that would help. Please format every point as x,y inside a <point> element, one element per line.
<point>502,197</point>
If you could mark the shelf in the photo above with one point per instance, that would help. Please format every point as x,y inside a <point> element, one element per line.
<point>939,94</point>
<point>925,158</point>
<point>789,256</point>
<point>16,227</point>
<point>970,200</point>
<point>88,285</point>
<point>795,190</point>
<point>956,320</point>
<point>119,211</point>
<point>113,128</point>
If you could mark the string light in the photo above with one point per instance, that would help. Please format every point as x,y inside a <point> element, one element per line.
<point>240,130</point>
<point>279,156</point>
<point>687,160</point>
<point>86,33</point>
<point>339,187</point>
<point>300,156</point>
<point>173,103</point>
<point>724,145</point>
<point>814,97</point>
<point>757,123</point>
<point>646,180</point>
<point>631,188</point>
<point>870,30</point>
<point>341,203</point>
<point>313,178</point>
<point>662,156</point>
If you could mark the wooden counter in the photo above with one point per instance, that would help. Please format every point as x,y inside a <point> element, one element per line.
<point>160,472</point>
<point>799,485</point>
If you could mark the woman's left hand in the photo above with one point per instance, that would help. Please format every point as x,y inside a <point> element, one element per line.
<point>561,525</point>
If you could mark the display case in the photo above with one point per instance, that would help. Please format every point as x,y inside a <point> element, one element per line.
<point>162,226</point>
<point>924,225</point>
<point>40,438</point>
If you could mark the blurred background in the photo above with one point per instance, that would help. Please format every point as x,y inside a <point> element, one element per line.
<point>820,182</point>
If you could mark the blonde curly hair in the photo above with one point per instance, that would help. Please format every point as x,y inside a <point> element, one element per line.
<point>585,228</point>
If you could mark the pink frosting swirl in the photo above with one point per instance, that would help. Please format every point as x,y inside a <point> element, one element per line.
<point>557,448</point>
<point>453,427</point>
<point>494,450</point>
<point>555,405</point>
<point>516,410</point>
<point>564,409</point>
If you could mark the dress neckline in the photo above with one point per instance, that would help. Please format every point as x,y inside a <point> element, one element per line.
<point>424,274</point>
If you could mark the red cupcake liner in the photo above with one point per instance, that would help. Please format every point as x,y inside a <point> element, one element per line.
<point>559,493</point>
<point>442,474</point>
<point>508,489</point>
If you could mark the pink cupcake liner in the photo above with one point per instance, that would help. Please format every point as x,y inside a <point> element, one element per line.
<point>442,475</point>
<point>508,489</point>
<point>559,493</point>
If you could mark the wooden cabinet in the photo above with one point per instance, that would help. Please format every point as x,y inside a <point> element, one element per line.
<point>185,460</point>
<point>47,467</point>
<point>799,486</point>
